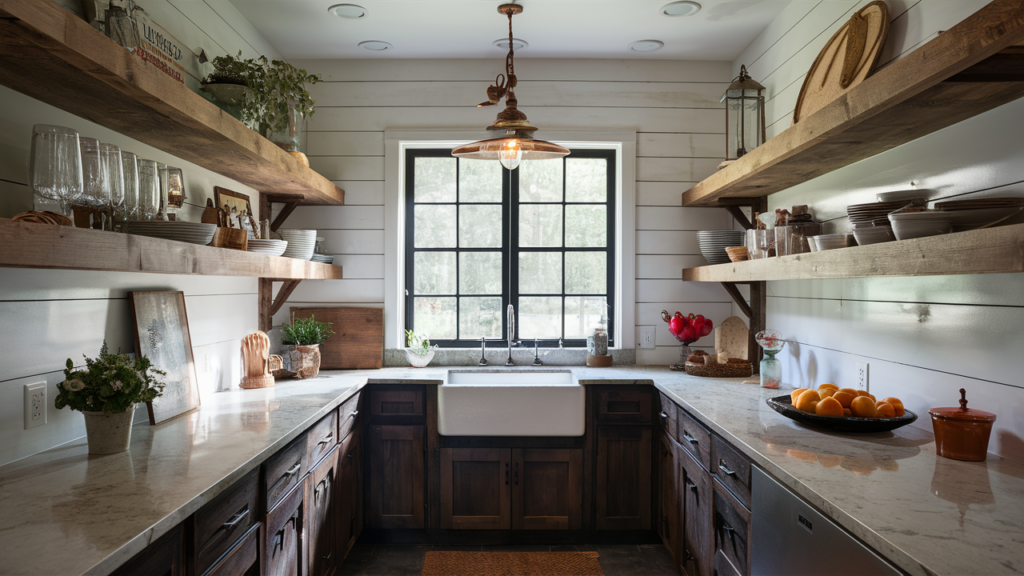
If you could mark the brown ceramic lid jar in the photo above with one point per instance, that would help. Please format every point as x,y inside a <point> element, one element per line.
<point>962,433</point>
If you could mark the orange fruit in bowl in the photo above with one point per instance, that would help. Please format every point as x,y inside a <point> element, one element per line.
<point>885,410</point>
<point>850,391</point>
<point>808,401</point>
<point>795,394</point>
<point>897,405</point>
<point>873,399</point>
<point>828,385</point>
<point>861,392</point>
<point>829,407</point>
<point>826,392</point>
<point>863,407</point>
<point>847,412</point>
<point>844,398</point>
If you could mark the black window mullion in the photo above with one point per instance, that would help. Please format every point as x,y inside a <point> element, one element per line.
<point>512,286</point>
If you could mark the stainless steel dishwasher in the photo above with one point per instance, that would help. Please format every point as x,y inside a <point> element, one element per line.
<point>789,537</point>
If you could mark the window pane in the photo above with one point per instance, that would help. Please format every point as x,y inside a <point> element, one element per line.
<point>435,227</point>
<point>480,273</point>
<point>479,181</point>
<point>586,273</point>
<point>480,226</point>
<point>540,181</point>
<point>434,180</point>
<point>540,317</point>
<point>586,180</point>
<point>582,315</point>
<point>434,318</point>
<point>586,226</point>
<point>540,273</point>
<point>434,273</point>
<point>540,225</point>
<point>479,317</point>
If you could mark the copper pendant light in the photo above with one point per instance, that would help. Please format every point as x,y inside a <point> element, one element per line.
<point>518,143</point>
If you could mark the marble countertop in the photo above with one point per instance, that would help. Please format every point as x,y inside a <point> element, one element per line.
<point>63,512</point>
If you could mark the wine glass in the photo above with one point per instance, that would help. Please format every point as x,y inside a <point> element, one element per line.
<point>149,189</point>
<point>113,182</point>
<point>55,165</point>
<point>130,166</point>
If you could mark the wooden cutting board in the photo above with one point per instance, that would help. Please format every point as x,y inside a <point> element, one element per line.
<point>846,60</point>
<point>358,340</point>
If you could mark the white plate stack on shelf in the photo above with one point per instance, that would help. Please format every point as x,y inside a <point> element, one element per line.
<point>714,242</point>
<point>300,243</point>
<point>269,247</point>
<point>181,231</point>
<point>323,258</point>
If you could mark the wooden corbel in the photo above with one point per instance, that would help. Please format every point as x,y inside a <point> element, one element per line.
<point>269,305</point>
<point>290,201</point>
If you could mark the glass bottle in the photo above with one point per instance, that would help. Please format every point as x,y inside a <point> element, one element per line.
<point>771,370</point>
<point>597,343</point>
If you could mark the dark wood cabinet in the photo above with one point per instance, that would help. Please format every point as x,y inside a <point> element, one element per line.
<point>284,551</point>
<point>667,495</point>
<point>396,482</point>
<point>732,533</point>
<point>623,483</point>
<point>165,557</point>
<point>698,546</point>
<point>476,488</point>
<point>547,489</point>
<point>219,525</point>
<point>322,516</point>
<point>617,406</point>
<point>242,559</point>
<point>349,491</point>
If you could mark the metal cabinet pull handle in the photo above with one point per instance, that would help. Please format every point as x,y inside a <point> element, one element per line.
<point>727,528</point>
<point>690,439</point>
<point>506,473</point>
<point>663,414</point>
<point>236,518</point>
<point>691,486</point>
<point>326,439</point>
<point>724,468</point>
<point>293,470</point>
<point>279,540</point>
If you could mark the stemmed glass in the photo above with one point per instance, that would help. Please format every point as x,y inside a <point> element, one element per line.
<point>55,166</point>
<point>94,187</point>
<point>149,190</point>
<point>130,166</point>
<point>113,182</point>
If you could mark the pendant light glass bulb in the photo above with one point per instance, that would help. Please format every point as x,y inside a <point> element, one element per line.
<point>511,154</point>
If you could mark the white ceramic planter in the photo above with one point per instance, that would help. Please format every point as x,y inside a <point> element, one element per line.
<point>419,360</point>
<point>109,432</point>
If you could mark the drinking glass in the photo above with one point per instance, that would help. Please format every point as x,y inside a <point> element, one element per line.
<point>94,188</point>
<point>172,190</point>
<point>149,190</point>
<point>113,183</point>
<point>130,166</point>
<point>55,165</point>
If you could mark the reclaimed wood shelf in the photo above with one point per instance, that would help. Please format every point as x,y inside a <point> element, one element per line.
<point>987,251</point>
<point>973,67</point>
<point>52,55</point>
<point>28,245</point>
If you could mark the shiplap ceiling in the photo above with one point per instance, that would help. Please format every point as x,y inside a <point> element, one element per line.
<point>467,28</point>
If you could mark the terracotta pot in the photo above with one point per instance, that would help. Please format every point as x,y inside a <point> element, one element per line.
<point>962,433</point>
<point>304,360</point>
<point>109,432</point>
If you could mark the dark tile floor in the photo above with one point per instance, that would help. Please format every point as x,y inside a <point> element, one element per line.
<point>389,560</point>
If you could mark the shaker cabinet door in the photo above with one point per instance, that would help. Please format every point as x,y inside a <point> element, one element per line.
<point>396,477</point>
<point>547,489</point>
<point>475,488</point>
<point>322,504</point>
<point>623,478</point>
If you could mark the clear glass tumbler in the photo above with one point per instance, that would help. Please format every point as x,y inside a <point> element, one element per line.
<point>55,166</point>
<point>172,190</point>
<point>113,182</point>
<point>130,168</point>
<point>94,189</point>
<point>149,190</point>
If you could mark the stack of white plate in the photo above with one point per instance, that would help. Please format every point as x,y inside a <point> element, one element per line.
<point>876,213</point>
<point>300,243</point>
<point>269,247</point>
<point>323,258</point>
<point>191,232</point>
<point>714,242</point>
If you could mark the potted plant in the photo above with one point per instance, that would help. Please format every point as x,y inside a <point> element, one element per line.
<point>419,352</point>
<point>228,86</point>
<point>106,392</point>
<point>303,338</point>
<point>285,103</point>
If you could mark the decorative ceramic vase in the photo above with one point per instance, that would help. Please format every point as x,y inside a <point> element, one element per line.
<point>109,432</point>
<point>304,360</point>
<point>419,360</point>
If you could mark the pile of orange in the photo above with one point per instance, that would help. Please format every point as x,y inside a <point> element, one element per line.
<point>831,400</point>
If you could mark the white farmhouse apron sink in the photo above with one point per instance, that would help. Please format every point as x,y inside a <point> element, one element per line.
<point>510,403</point>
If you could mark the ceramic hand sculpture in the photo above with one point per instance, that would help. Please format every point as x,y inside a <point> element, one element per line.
<point>687,330</point>
<point>256,361</point>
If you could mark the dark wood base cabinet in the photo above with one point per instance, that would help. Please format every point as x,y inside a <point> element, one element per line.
<point>284,550</point>
<point>395,483</point>
<point>623,483</point>
<point>322,504</point>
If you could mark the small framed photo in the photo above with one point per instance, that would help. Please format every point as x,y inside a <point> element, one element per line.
<point>237,210</point>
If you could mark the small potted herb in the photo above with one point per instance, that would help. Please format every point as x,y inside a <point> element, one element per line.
<point>303,338</point>
<point>106,392</point>
<point>419,352</point>
<point>228,85</point>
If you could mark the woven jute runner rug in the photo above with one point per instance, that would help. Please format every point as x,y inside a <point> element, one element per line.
<point>512,564</point>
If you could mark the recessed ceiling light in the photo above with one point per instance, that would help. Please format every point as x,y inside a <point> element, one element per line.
<point>683,8</point>
<point>375,45</point>
<point>516,43</point>
<point>646,45</point>
<point>350,11</point>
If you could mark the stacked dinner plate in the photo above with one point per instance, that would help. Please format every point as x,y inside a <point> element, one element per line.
<point>269,247</point>
<point>877,213</point>
<point>323,258</point>
<point>968,214</point>
<point>191,232</point>
<point>300,243</point>
<point>714,242</point>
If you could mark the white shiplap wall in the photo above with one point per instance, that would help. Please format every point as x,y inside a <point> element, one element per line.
<point>671,105</point>
<point>48,316</point>
<point>924,337</point>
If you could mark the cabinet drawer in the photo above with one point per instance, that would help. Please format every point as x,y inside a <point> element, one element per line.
<point>667,417</point>
<point>723,567</point>
<point>284,471</point>
<point>632,407</point>
<point>695,438</point>
<point>732,469</point>
<point>321,438</point>
<point>283,550</point>
<point>347,414</point>
<point>224,521</point>
<point>398,403</point>
<point>732,531</point>
<point>241,560</point>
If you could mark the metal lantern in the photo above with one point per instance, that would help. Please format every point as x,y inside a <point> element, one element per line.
<point>744,116</point>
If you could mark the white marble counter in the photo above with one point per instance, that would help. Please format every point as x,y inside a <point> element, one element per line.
<point>63,512</point>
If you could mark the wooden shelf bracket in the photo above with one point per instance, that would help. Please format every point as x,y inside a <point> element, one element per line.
<point>733,291</point>
<point>270,305</point>
<point>290,201</point>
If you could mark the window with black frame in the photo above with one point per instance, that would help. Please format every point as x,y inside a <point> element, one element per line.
<point>465,263</point>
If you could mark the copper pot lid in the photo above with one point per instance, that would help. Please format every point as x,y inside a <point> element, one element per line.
<point>963,412</point>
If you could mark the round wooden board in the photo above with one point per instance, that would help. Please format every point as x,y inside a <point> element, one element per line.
<point>838,68</point>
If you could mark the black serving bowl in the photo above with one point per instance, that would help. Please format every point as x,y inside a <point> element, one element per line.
<point>784,405</point>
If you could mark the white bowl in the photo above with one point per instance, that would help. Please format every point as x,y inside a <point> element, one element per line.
<point>916,228</point>
<point>834,241</point>
<point>873,235</point>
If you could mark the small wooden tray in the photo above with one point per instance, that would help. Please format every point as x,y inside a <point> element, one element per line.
<point>599,361</point>
<point>734,369</point>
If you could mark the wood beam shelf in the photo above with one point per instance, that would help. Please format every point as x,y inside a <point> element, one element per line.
<point>986,251</point>
<point>52,55</point>
<point>973,67</point>
<point>28,245</point>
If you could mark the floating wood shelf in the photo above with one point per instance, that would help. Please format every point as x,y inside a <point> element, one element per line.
<point>969,69</point>
<point>988,251</point>
<point>29,245</point>
<point>52,55</point>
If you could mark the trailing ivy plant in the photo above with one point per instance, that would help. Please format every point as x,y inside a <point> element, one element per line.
<point>109,383</point>
<point>306,332</point>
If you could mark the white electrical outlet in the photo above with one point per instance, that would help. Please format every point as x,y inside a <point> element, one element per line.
<point>35,404</point>
<point>647,336</point>
<point>861,381</point>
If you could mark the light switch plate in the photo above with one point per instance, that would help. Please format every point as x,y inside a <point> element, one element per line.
<point>35,404</point>
<point>647,336</point>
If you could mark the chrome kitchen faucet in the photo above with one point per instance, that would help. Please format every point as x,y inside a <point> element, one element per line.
<point>511,331</point>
